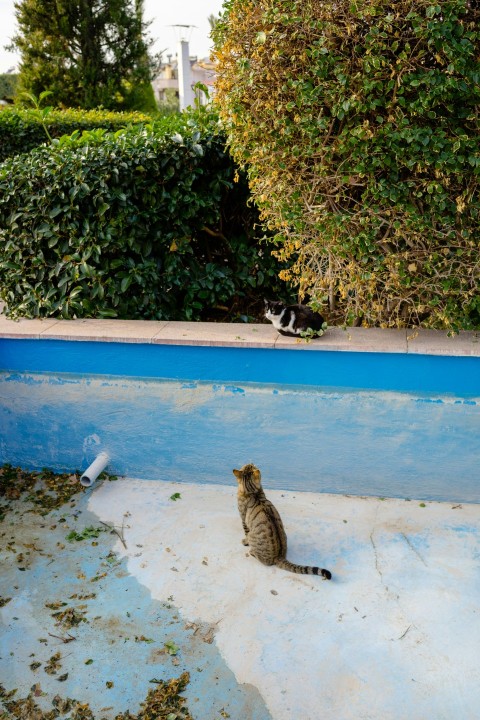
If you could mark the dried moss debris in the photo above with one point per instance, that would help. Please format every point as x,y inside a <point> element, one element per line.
<point>45,490</point>
<point>164,702</point>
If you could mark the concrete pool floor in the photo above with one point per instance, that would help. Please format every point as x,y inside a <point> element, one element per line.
<point>394,636</point>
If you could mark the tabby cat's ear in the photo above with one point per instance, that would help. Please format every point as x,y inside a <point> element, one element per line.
<point>238,474</point>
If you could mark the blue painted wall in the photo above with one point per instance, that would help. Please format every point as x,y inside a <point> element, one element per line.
<point>359,423</point>
<point>379,371</point>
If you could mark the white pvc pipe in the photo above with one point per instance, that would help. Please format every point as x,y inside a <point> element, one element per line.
<point>94,470</point>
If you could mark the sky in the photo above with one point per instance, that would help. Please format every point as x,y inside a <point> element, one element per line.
<point>163,13</point>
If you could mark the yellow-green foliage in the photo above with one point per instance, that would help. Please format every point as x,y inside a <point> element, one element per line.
<point>358,123</point>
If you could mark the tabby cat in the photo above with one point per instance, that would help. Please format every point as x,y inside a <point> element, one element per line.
<point>293,320</point>
<point>264,531</point>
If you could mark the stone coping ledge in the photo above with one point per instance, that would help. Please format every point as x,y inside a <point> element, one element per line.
<point>424,342</point>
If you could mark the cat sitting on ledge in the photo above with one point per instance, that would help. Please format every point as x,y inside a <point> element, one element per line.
<point>294,320</point>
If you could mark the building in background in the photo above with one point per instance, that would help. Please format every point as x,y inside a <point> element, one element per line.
<point>8,86</point>
<point>168,83</point>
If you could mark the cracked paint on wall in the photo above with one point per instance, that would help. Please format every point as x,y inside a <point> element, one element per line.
<point>315,439</point>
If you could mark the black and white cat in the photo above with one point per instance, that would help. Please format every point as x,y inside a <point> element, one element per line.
<point>293,320</point>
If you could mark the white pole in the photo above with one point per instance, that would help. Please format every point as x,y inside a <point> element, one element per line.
<point>185,91</point>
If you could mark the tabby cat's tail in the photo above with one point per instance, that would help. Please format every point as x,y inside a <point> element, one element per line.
<point>303,569</point>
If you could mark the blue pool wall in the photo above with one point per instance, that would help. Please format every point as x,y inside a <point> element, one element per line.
<point>361,423</point>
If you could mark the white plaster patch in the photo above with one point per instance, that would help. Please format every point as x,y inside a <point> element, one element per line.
<point>394,635</point>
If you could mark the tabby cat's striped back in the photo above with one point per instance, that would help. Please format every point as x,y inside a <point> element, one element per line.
<point>264,531</point>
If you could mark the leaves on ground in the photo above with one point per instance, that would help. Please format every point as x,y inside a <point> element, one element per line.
<point>171,648</point>
<point>70,617</point>
<point>86,534</point>
<point>53,664</point>
<point>42,492</point>
<point>45,490</point>
<point>164,702</point>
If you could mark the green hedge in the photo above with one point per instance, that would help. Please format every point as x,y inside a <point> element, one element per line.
<point>146,222</point>
<point>22,129</point>
<point>358,123</point>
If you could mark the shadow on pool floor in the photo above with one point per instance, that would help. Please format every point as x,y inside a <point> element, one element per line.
<point>393,636</point>
<point>77,625</point>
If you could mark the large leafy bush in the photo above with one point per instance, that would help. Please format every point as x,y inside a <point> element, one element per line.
<point>146,222</point>
<point>22,129</point>
<point>359,125</point>
<point>86,54</point>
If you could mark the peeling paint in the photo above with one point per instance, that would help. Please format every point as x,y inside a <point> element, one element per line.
<point>305,438</point>
<point>416,373</point>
